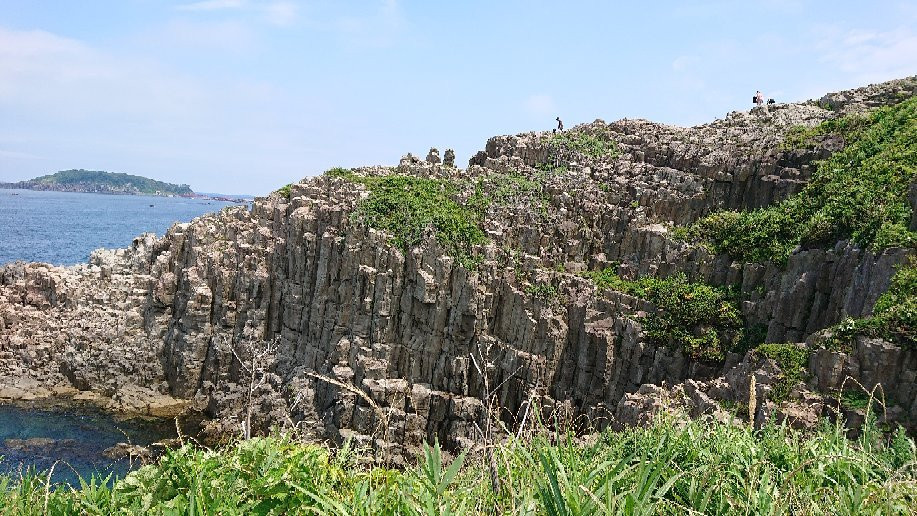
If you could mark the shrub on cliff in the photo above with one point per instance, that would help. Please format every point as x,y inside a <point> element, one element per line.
<point>407,206</point>
<point>698,318</point>
<point>894,316</point>
<point>793,362</point>
<point>859,193</point>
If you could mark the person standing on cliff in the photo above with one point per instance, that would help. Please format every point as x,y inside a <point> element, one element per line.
<point>759,98</point>
<point>560,125</point>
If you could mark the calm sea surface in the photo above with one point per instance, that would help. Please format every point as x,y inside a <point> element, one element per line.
<point>62,228</point>
<point>71,441</point>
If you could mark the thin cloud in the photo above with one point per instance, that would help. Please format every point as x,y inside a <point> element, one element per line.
<point>871,56</point>
<point>211,5</point>
<point>281,13</point>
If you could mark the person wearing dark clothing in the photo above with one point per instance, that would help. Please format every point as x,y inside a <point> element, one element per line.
<point>560,125</point>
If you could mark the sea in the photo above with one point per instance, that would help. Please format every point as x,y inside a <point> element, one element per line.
<point>63,228</point>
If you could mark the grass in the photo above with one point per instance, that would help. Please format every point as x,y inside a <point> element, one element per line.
<point>406,207</point>
<point>858,193</point>
<point>566,144</point>
<point>700,319</point>
<point>671,467</point>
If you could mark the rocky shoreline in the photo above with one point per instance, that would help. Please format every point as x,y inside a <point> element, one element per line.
<point>295,313</point>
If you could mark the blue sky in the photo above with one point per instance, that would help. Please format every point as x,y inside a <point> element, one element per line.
<point>244,96</point>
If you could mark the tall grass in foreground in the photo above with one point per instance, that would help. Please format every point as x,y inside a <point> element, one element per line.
<point>691,467</point>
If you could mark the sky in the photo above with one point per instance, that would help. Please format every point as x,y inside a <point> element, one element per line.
<point>245,96</point>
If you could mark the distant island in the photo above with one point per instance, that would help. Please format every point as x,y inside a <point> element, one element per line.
<point>97,181</point>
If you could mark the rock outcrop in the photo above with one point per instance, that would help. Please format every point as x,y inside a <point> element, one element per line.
<point>295,313</point>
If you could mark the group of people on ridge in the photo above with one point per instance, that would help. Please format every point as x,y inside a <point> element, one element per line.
<point>758,100</point>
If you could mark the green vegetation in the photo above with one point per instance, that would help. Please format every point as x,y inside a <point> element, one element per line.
<point>671,467</point>
<point>510,186</point>
<point>792,360</point>
<point>571,143</point>
<point>286,191</point>
<point>859,192</point>
<point>541,291</point>
<point>858,399</point>
<point>700,319</point>
<point>102,182</point>
<point>894,316</point>
<point>406,207</point>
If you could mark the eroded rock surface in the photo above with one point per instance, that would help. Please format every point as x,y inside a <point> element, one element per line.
<point>349,336</point>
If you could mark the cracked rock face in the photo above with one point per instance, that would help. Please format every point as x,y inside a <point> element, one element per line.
<point>349,336</point>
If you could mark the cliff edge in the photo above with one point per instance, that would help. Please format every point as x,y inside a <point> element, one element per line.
<point>397,305</point>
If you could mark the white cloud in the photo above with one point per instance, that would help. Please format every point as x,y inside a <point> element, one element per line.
<point>683,63</point>
<point>223,35</point>
<point>211,5</point>
<point>870,56</point>
<point>278,12</point>
<point>19,155</point>
<point>281,13</point>
<point>376,29</point>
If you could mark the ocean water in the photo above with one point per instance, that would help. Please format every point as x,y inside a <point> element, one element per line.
<point>71,441</point>
<point>63,228</point>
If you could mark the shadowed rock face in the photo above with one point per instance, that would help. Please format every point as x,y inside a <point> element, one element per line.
<point>350,336</point>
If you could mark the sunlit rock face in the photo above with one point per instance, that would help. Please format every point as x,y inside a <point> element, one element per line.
<point>295,312</point>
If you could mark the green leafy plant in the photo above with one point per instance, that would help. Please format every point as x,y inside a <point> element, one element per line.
<point>672,466</point>
<point>286,191</point>
<point>700,319</point>
<point>543,291</point>
<point>793,362</point>
<point>859,193</point>
<point>592,146</point>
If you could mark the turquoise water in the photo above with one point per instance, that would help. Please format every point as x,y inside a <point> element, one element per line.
<point>74,441</point>
<point>62,228</point>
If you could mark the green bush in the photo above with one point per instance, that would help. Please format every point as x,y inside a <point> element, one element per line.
<point>567,146</point>
<point>793,362</point>
<point>407,206</point>
<point>286,191</point>
<point>543,291</point>
<point>858,193</point>
<point>698,318</point>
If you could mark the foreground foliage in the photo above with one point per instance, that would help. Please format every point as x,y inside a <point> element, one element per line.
<point>858,193</point>
<point>672,467</point>
<point>700,319</point>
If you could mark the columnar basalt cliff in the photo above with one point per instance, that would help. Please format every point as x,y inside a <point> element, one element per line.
<point>301,311</point>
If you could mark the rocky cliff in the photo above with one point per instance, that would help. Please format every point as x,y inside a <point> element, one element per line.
<point>301,311</point>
